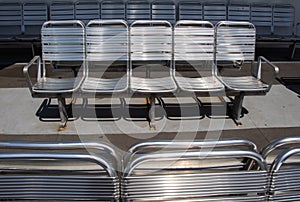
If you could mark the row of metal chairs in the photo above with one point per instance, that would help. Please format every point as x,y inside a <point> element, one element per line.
<point>147,58</point>
<point>25,20</point>
<point>223,170</point>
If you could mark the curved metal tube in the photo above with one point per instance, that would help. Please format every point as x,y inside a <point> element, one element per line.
<point>101,21</point>
<point>279,143</point>
<point>158,22</point>
<point>193,22</point>
<point>54,146</point>
<point>104,164</point>
<point>282,158</point>
<point>229,23</point>
<point>192,145</point>
<point>194,155</point>
<point>275,68</point>
<point>64,22</point>
<point>36,59</point>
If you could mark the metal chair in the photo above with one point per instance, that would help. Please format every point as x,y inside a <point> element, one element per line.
<point>107,43</point>
<point>112,10</point>
<point>235,43</point>
<point>137,10</point>
<point>10,21</point>
<point>214,12</point>
<point>34,16</point>
<point>283,157</point>
<point>190,10</point>
<point>261,18</point>
<point>186,172</point>
<point>86,11</point>
<point>164,10</point>
<point>284,20</point>
<point>63,44</point>
<point>194,47</point>
<point>62,10</point>
<point>153,59</point>
<point>238,12</point>
<point>284,26</point>
<point>66,171</point>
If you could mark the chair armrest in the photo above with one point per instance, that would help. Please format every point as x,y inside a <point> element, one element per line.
<point>270,64</point>
<point>296,31</point>
<point>26,71</point>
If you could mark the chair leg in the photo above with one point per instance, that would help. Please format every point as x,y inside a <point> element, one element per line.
<point>237,108</point>
<point>32,49</point>
<point>152,112</point>
<point>293,48</point>
<point>62,111</point>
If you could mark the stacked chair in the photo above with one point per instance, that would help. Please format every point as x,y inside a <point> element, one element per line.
<point>157,170</point>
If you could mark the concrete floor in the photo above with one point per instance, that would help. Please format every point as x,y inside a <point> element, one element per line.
<point>265,118</point>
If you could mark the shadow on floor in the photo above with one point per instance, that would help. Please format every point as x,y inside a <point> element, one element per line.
<point>291,83</point>
<point>48,112</point>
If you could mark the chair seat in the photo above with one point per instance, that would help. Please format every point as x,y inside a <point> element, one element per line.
<point>56,85</point>
<point>7,38</point>
<point>92,84</point>
<point>272,38</point>
<point>29,38</point>
<point>244,83</point>
<point>153,85</point>
<point>199,84</point>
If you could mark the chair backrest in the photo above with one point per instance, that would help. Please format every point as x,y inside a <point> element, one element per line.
<point>112,10</point>
<point>235,41</point>
<point>196,145</point>
<point>193,40</point>
<point>261,17</point>
<point>34,16</point>
<point>239,12</point>
<point>63,41</point>
<point>194,176</point>
<point>87,10</point>
<point>62,10</point>
<point>271,151</point>
<point>10,19</point>
<point>283,19</point>
<point>66,171</point>
<point>164,10</point>
<point>285,177</point>
<point>191,10</point>
<point>156,37</point>
<point>107,40</point>
<point>215,12</point>
<point>138,10</point>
